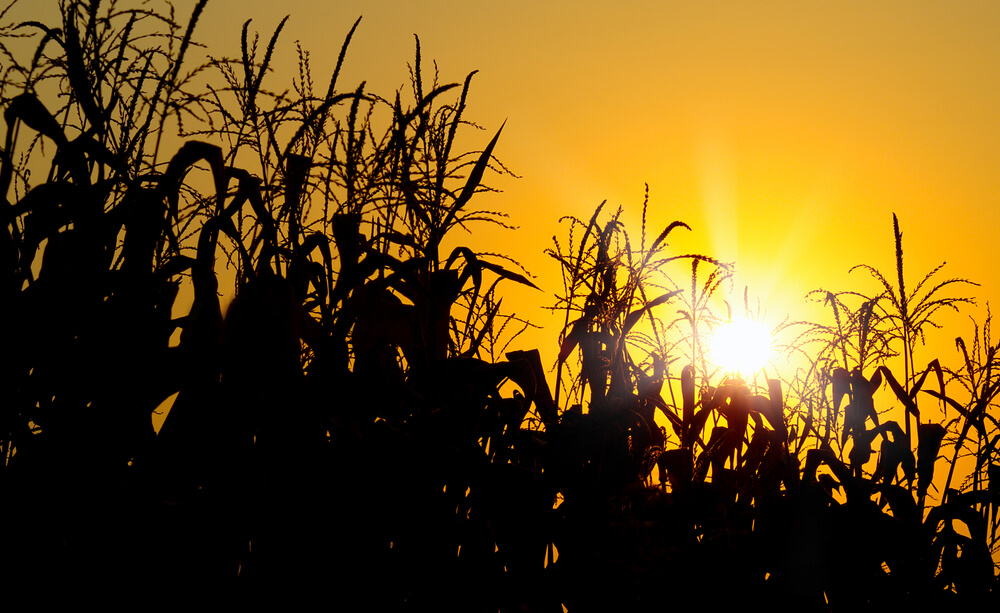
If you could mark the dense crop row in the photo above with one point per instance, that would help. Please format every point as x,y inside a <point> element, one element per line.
<point>356,427</point>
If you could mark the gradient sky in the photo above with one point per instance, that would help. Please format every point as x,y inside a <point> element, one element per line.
<point>784,133</point>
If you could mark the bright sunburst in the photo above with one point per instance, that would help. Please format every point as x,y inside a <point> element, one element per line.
<point>741,346</point>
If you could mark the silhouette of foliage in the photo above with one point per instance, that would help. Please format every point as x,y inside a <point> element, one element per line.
<point>354,429</point>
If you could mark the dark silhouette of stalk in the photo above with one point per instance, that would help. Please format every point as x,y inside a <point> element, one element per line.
<point>360,411</point>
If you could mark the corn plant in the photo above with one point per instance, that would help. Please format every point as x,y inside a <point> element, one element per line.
<point>832,505</point>
<point>360,361</point>
<point>280,379</point>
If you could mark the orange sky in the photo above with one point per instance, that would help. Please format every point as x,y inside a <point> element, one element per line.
<point>784,133</point>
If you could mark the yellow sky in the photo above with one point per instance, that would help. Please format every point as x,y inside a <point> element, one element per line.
<point>784,133</point>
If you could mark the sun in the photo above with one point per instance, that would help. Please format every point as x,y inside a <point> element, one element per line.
<point>741,346</point>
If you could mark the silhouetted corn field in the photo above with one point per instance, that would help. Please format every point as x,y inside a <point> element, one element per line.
<point>359,430</point>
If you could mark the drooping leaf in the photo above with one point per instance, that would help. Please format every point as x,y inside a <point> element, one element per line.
<point>929,437</point>
<point>189,154</point>
<point>541,394</point>
<point>841,386</point>
<point>876,380</point>
<point>28,109</point>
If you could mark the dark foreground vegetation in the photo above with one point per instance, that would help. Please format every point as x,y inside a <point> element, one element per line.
<point>356,431</point>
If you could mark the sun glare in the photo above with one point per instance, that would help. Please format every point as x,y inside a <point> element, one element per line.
<point>741,346</point>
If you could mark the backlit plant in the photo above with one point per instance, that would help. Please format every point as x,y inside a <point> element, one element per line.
<point>361,415</point>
